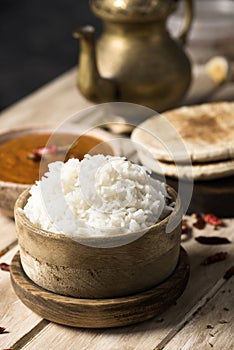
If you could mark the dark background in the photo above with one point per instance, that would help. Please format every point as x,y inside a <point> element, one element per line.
<point>36,44</point>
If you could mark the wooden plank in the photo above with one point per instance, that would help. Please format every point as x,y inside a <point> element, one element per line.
<point>147,335</point>
<point>52,103</point>
<point>213,325</point>
<point>14,315</point>
<point>60,99</point>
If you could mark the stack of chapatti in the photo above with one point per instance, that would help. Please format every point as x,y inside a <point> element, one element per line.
<point>192,142</point>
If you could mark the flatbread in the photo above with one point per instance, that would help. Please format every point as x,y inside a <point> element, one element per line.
<point>202,133</point>
<point>201,172</point>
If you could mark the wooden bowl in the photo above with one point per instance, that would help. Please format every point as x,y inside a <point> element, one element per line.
<point>10,190</point>
<point>60,264</point>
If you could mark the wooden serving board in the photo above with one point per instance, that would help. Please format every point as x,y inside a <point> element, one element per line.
<point>100,313</point>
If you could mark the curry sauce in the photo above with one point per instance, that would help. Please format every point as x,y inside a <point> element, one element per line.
<point>16,165</point>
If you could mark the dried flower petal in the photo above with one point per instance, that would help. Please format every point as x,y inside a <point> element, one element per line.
<point>2,329</point>
<point>4,267</point>
<point>212,240</point>
<point>212,219</point>
<point>185,227</point>
<point>43,151</point>
<point>46,150</point>
<point>200,224</point>
<point>215,258</point>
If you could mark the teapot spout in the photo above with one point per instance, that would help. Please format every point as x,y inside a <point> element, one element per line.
<point>90,83</point>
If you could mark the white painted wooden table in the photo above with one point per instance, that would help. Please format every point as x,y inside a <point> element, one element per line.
<point>203,317</point>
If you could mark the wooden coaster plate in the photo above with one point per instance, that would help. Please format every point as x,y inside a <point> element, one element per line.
<point>100,313</point>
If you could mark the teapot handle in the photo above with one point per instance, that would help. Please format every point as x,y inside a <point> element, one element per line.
<point>182,38</point>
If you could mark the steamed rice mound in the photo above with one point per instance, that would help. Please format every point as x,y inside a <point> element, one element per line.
<point>100,195</point>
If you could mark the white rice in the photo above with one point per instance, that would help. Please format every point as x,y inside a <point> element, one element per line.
<point>96,196</point>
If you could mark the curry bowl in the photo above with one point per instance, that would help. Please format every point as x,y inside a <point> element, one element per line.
<point>66,266</point>
<point>21,166</point>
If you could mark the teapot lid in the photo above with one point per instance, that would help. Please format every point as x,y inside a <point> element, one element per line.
<point>133,10</point>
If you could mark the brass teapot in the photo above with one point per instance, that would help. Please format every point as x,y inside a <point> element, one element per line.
<point>135,59</point>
